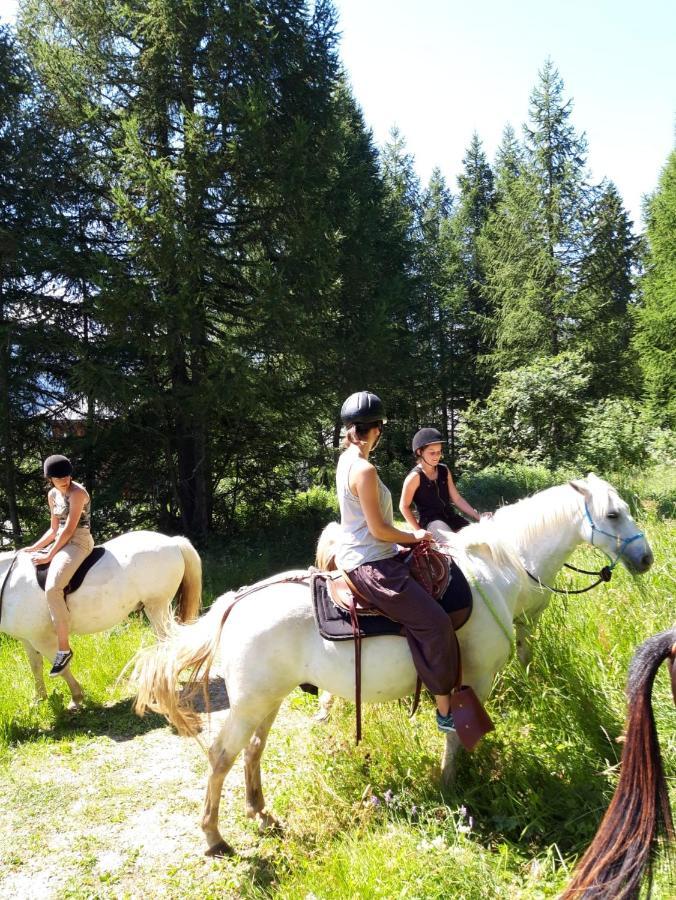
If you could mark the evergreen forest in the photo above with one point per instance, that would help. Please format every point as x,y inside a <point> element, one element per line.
<point>203,252</point>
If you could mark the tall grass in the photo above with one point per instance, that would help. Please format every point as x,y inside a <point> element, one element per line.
<point>373,821</point>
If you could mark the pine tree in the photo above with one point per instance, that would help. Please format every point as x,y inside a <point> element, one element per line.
<point>235,181</point>
<point>600,323</point>
<point>36,340</point>
<point>534,240</point>
<point>467,299</point>
<point>656,316</point>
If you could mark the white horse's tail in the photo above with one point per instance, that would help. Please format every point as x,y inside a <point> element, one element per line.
<point>157,669</point>
<point>190,588</point>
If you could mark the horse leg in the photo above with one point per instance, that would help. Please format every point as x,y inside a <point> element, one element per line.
<point>255,802</point>
<point>158,611</point>
<point>233,736</point>
<point>448,763</point>
<point>35,661</point>
<point>524,628</point>
<point>482,684</point>
<point>76,693</point>
<point>47,648</point>
<point>325,704</point>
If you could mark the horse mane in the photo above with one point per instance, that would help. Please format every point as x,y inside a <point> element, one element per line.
<point>499,539</point>
<point>550,508</point>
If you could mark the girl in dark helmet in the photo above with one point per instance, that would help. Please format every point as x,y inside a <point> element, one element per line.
<point>369,553</point>
<point>66,543</point>
<point>430,487</point>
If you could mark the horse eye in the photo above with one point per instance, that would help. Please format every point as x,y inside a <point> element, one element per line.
<point>612,515</point>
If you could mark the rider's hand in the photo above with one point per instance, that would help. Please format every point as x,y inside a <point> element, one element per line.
<point>41,558</point>
<point>421,534</point>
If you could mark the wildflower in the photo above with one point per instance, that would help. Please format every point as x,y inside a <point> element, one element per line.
<point>388,796</point>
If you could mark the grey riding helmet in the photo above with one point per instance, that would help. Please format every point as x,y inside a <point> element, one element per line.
<point>57,466</point>
<point>362,408</point>
<point>424,437</point>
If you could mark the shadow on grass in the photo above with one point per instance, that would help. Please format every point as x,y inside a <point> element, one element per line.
<point>117,720</point>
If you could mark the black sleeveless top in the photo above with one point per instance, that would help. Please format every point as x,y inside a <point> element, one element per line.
<point>433,501</point>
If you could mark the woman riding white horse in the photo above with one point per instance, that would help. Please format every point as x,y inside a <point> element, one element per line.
<point>63,547</point>
<point>368,550</point>
<point>267,641</point>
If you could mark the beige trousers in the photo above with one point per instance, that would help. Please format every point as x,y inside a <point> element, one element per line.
<point>61,570</point>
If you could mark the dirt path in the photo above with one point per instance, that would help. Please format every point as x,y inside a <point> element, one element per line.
<point>117,815</point>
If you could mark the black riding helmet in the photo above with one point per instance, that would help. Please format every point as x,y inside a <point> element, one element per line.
<point>424,437</point>
<point>362,408</point>
<point>57,466</point>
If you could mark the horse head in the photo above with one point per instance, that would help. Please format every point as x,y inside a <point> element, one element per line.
<point>606,523</point>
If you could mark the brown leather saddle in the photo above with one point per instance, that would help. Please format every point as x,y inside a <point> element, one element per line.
<point>79,574</point>
<point>445,581</point>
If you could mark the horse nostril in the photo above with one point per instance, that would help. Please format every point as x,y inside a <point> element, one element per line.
<point>647,560</point>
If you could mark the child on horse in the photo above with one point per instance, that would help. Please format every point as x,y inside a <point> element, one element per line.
<point>65,545</point>
<point>429,485</point>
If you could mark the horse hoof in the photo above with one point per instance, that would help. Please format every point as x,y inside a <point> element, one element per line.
<point>219,850</point>
<point>269,823</point>
<point>321,715</point>
<point>74,706</point>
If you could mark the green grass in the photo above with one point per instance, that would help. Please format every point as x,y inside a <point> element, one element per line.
<point>367,821</point>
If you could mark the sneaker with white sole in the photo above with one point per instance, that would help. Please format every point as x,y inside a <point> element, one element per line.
<point>61,660</point>
<point>445,723</point>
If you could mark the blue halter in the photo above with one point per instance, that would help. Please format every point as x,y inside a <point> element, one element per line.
<point>622,545</point>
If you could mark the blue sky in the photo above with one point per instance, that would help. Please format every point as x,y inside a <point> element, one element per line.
<point>441,69</point>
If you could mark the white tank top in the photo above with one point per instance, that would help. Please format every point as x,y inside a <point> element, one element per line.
<point>357,544</point>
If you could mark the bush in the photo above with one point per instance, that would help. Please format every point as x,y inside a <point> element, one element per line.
<point>506,483</point>
<point>615,435</point>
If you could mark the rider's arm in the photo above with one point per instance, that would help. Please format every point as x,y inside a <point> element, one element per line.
<point>364,483</point>
<point>410,486</point>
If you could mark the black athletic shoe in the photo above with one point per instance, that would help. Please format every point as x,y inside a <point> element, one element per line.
<point>61,660</point>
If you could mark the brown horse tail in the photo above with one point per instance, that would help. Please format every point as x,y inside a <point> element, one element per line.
<point>639,814</point>
<point>190,589</point>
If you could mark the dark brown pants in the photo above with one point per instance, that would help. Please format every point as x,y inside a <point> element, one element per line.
<point>388,585</point>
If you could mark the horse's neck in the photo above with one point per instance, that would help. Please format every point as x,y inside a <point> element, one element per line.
<point>543,535</point>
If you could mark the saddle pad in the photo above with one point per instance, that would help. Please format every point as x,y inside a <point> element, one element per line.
<point>334,623</point>
<point>79,575</point>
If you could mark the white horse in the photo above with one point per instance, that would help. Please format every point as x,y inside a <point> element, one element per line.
<point>269,643</point>
<point>140,570</point>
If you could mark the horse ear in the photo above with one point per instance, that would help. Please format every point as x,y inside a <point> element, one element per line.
<point>581,486</point>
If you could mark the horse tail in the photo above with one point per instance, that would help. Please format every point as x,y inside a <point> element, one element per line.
<point>190,588</point>
<point>157,669</point>
<point>639,813</point>
<point>325,557</point>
